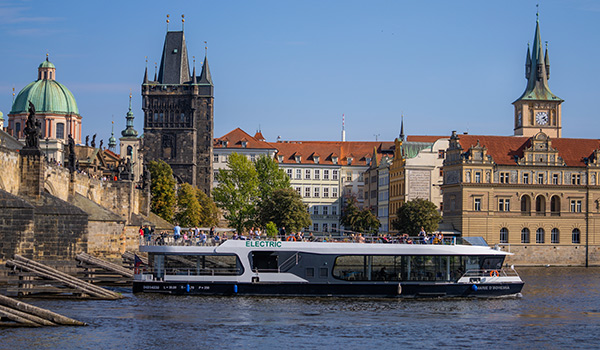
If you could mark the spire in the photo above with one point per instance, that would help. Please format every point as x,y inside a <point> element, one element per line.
<point>536,69</point>
<point>174,64</point>
<point>146,72</point>
<point>547,62</point>
<point>194,71</point>
<point>129,130</point>
<point>402,128</point>
<point>112,141</point>
<point>205,77</point>
<point>155,70</point>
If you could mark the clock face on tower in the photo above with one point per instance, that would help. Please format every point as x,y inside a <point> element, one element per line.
<point>541,118</point>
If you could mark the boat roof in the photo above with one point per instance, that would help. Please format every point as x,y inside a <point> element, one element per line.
<point>337,248</point>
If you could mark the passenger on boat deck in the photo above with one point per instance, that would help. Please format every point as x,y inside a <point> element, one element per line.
<point>257,233</point>
<point>176,232</point>
<point>427,239</point>
<point>212,232</point>
<point>235,236</point>
<point>217,239</point>
<point>311,237</point>
<point>360,238</point>
<point>300,237</point>
<point>291,237</point>
<point>202,238</point>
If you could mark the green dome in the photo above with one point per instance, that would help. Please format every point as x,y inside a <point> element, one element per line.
<point>48,96</point>
<point>46,64</point>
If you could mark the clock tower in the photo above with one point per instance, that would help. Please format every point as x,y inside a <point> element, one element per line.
<point>537,108</point>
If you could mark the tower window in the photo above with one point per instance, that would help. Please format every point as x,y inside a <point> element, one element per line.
<point>60,130</point>
<point>129,151</point>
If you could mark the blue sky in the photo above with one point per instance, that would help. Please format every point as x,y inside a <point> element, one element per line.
<point>293,68</point>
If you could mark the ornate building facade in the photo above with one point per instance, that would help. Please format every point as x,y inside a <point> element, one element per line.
<point>178,115</point>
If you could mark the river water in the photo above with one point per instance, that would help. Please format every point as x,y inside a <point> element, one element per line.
<point>559,308</point>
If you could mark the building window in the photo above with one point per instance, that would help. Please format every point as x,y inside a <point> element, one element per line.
<point>60,131</point>
<point>441,154</point>
<point>348,176</point>
<point>526,178</point>
<point>555,236</point>
<point>316,210</point>
<point>555,206</point>
<point>541,178</point>
<point>503,178</point>
<point>504,235</point>
<point>334,175</point>
<point>317,192</point>
<point>477,204</point>
<point>333,227</point>
<point>334,192</point>
<point>298,174</point>
<point>576,236</point>
<point>555,179</point>
<point>253,158</point>
<point>477,177</point>
<point>299,190</point>
<point>503,204</point>
<point>539,235</point>
<point>130,151</point>
<point>317,174</point>
<point>525,205</point>
<point>540,205</point>
<point>325,192</point>
<point>215,158</point>
<point>316,227</point>
<point>525,235</point>
<point>334,210</point>
<point>17,129</point>
<point>289,172</point>
<point>325,228</point>
<point>307,192</point>
<point>576,206</point>
<point>575,179</point>
<point>325,210</point>
<point>325,174</point>
<point>307,174</point>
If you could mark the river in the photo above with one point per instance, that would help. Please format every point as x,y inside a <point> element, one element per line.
<point>559,308</point>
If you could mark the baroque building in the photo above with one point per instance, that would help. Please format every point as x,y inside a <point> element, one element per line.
<point>178,115</point>
<point>55,108</point>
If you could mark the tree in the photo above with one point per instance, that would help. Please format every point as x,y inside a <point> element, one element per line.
<point>271,229</point>
<point>162,189</point>
<point>358,220</point>
<point>238,191</point>
<point>210,213</point>
<point>270,176</point>
<point>285,208</point>
<point>415,214</point>
<point>189,211</point>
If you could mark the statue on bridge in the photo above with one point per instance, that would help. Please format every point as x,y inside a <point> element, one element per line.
<point>93,144</point>
<point>33,129</point>
<point>71,154</point>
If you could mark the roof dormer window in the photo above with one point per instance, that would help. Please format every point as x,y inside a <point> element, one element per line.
<point>280,158</point>
<point>350,160</point>
<point>334,160</point>
<point>244,144</point>
<point>316,159</point>
<point>298,158</point>
<point>368,160</point>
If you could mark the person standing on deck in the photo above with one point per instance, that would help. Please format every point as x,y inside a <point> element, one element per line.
<point>176,232</point>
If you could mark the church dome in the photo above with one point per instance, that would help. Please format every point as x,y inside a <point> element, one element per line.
<point>46,94</point>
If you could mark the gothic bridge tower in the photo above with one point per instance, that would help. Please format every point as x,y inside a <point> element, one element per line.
<point>538,109</point>
<point>178,115</point>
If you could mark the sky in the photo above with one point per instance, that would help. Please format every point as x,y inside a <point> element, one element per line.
<point>293,68</point>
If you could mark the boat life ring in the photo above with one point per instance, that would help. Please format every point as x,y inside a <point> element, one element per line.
<point>494,273</point>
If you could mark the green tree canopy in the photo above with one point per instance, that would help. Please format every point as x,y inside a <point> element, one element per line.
<point>285,208</point>
<point>189,211</point>
<point>162,190</point>
<point>270,178</point>
<point>358,220</point>
<point>415,214</point>
<point>210,213</point>
<point>238,191</point>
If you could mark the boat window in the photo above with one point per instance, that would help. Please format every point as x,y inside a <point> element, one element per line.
<point>265,261</point>
<point>323,272</point>
<point>201,265</point>
<point>310,272</point>
<point>492,262</point>
<point>399,268</point>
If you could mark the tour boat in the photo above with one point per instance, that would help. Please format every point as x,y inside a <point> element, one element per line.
<point>337,269</point>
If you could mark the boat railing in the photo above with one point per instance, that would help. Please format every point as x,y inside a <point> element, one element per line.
<point>171,240</point>
<point>509,272</point>
<point>193,271</point>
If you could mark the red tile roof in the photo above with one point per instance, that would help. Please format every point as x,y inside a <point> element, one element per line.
<point>425,138</point>
<point>329,149</point>
<point>235,138</point>
<point>504,148</point>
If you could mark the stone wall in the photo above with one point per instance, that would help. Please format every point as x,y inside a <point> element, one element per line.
<point>9,163</point>
<point>553,255</point>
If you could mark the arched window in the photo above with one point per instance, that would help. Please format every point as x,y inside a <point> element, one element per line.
<point>129,151</point>
<point>525,235</point>
<point>504,235</point>
<point>539,235</point>
<point>540,205</point>
<point>525,205</point>
<point>576,236</point>
<point>555,206</point>
<point>555,235</point>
